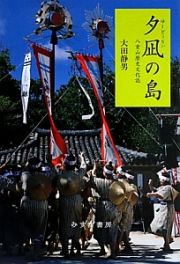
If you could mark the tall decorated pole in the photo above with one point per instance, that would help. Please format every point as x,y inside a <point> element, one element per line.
<point>54,17</point>
<point>98,27</point>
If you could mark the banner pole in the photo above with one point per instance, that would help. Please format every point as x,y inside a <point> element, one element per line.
<point>101,47</point>
<point>54,42</point>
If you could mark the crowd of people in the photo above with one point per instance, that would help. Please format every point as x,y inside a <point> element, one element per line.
<point>48,208</point>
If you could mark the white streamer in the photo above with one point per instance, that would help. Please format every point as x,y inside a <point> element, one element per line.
<point>86,117</point>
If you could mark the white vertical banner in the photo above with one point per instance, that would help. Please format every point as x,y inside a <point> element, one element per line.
<point>25,85</point>
<point>140,181</point>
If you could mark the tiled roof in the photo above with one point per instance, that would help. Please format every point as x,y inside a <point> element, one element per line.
<point>87,141</point>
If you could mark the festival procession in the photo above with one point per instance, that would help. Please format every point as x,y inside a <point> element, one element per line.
<point>83,169</point>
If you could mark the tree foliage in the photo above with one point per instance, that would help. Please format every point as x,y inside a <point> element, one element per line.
<point>12,129</point>
<point>135,128</point>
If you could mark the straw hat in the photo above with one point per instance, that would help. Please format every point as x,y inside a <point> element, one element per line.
<point>133,198</point>
<point>128,187</point>
<point>175,193</point>
<point>117,192</point>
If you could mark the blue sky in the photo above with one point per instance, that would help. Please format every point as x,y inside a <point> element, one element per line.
<point>17,20</point>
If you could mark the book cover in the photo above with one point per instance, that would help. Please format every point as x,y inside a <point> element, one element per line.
<point>113,69</point>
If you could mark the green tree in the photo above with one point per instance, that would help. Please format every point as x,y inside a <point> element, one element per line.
<point>135,128</point>
<point>11,106</point>
<point>8,85</point>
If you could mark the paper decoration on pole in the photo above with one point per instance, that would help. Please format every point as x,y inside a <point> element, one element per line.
<point>25,85</point>
<point>86,117</point>
<point>97,24</point>
<point>44,63</point>
<point>90,66</point>
<point>55,17</point>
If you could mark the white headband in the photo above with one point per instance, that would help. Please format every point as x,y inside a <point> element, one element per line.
<point>129,176</point>
<point>45,168</point>
<point>159,173</point>
<point>119,169</point>
<point>70,162</point>
<point>107,171</point>
<point>163,178</point>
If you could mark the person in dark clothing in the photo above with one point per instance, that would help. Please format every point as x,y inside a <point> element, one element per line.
<point>70,203</point>
<point>36,186</point>
<point>107,216</point>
